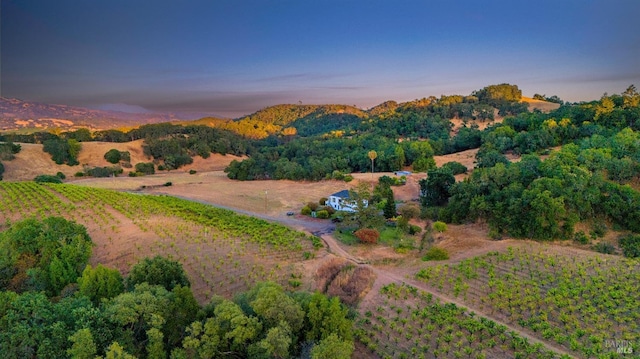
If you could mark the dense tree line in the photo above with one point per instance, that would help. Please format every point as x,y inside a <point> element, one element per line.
<point>53,305</point>
<point>545,199</point>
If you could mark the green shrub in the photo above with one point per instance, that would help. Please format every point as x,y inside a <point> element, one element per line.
<point>192,172</point>
<point>1,170</point>
<point>435,254</point>
<point>323,201</point>
<point>47,179</point>
<point>61,175</point>
<point>413,229</point>
<point>337,175</point>
<point>322,214</point>
<point>423,164</point>
<point>168,184</point>
<point>104,171</point>
<point>455,167</point>
<point>113,156</point>
<point>147,168</point>
<point>581,237</point>
<point>604,247</point>
<point>79,174</point>
<point>305,211</point>
<point>599,230</point>
<point>439,226</point>
<point>630,245</point>
<point>348,178</point>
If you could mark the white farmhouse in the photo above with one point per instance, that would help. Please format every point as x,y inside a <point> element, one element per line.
<point>340,201</point>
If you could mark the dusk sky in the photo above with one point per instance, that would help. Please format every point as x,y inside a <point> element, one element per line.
<point>234,57</point>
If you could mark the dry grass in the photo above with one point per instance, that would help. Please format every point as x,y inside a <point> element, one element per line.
<point>33,161</point>
<point>345,280</point>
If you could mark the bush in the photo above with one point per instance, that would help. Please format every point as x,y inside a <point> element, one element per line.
<point>439,226</point>
<point>168,184</point>
<point>158,271</point>
<point>192,172</point>
<point>337,175</point>
<point>323,201</point>
<point>322,214</point>
<point>61,175</point>
<point>409,210</point>
<point>329,209</point>
<point>630,245</point>
<point>455,167</point>
<point>604,247</point>
<point>113,156</point>
<point>436,254</point>
<point>305,211</point>
<point>348,178</point>
<point>366,235</point>
<point>312,205</point>
<point>581,238</point>
<point>47,179</point>
<point>104,171</point>
<point>1,170</point>
<point>147,168</point>
<point>413,229</point>
<point>423,164</point>
<point>79,174</point>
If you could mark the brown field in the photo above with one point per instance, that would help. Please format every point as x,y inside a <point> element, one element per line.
<point>33,161</point>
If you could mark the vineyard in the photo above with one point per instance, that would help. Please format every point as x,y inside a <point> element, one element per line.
<point>223,253</point>
<point>413,324</point>
<point>579,303</point>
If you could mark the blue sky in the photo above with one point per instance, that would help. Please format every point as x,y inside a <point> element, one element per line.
<point>233,57</point>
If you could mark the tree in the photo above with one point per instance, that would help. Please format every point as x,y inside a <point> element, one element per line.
<point>1,170</point>
<point>366,214</point>
<point>113,156</point>
<point>44,255</point>
<point>332,348</point>
<point>116,351</point>
<point>328,317</point>
<point>158,271</point>
<point>389,209</point>
<point>83,345</point>
<point>372,156</point>
<point>275,344</point>
<point>434,190</point>
<point>147,168</point>
<point>99,283</point>
<point>630,245</point>
<point>273,306</point>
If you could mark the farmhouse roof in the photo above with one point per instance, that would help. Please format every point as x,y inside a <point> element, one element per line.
<point>342,194</point>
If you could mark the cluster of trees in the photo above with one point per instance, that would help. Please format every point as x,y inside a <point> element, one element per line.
<point>544,200</point>
<point>316,158</point>
<point>114,156</point>
<point>53,305</point>
<point>7,153</point>
<point>588,178</point>
<point>63,151</point>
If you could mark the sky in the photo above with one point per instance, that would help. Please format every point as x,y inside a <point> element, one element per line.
<point>233,57</point>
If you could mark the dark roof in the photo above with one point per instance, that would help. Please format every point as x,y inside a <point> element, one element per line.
<point>342,194</point>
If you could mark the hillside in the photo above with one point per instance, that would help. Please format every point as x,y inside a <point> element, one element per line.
<point>18,115</point>
<point>32,161</point>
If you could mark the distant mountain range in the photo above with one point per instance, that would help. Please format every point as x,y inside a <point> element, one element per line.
<point>16,114</point>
